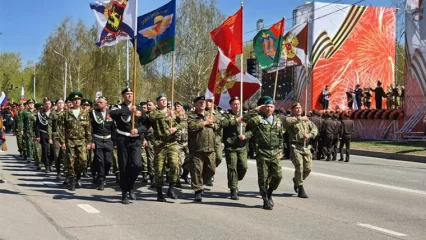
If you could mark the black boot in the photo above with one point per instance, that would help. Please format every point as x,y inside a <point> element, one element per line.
<point>341,159</point>
<point>210,182</point>
<point>85,173</point>
<point>296,188</point>
<point>171,192</point>
<point>234,194</point>
<point>302,193</point>
<point>46,169</point>
<point>101,185</point>
<point>266,204</point>
<point>144,177</point>
<point>269,195</point>
<point>132,195</point>
<point>198,196</point>
<point>185,176</point>
<point>153,185</point>
<point>117,177</point>
<point>124,197</point>
<point>160,196</point>
<point>71,184</point>
<point>78,183</point>
<point>178,184</point>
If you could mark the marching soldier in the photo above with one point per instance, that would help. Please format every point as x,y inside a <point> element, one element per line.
<point>235,139</point>
<point>144,151</point>
<point>28,119</point>
<point>75,138</point>
<point>37,145</point>
<point>165,124</point>
<point>129,141</point>
<point>43,133</point>
<point>59,153</point>
<point>17,120</point>
<point>103,130</point>
<point>317,120</point>
<point>327,134</point>
<point>346,129</point>
<point>149,146</point>
<point>217,116</point>
<point>86,105</point>
<point>201,143</point>
<point>301,156</point>
<point>336,136</point>
<point>182,139</point>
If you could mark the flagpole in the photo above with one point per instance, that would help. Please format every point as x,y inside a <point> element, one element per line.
<point>242,66</point>
<point>134,63</point>
<point>127,63</point>
<point>173,83</point>
<point>307,78</point>
<point>276,82</point>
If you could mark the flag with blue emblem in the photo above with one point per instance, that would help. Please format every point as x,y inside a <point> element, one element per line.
<point>156,33</point>
<point>116,20</point>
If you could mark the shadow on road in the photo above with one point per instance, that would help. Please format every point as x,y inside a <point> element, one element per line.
<point>5,191</point>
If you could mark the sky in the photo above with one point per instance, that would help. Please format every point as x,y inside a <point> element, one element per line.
<point>27,24</point>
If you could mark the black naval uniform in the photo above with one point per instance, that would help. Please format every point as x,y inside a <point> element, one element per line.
<point>327,134</point>
<point>129,146</point>
<point>43,132</point>
<point>103,132</point>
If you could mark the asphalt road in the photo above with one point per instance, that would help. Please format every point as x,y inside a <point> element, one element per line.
<point>366,198</point>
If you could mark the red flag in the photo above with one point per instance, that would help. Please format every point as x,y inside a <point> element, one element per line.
<point>278,28</point>
<point>229,36</point>
<point>225,82</point>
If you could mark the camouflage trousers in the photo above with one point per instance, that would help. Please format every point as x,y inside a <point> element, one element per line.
<point>147,159</point>
<point>29,146</point>
<point>19,141</point>
<point>236,162</point>
<point>203,168</point>
<point>269,171</point>
<point>37,153</point>
<point>115,161</point>
<point>59,157</point>
<point>219,151</point>
<point>166,154</point>
<point>184,157</point>
<point>76,157</point>
<point>302,161</point>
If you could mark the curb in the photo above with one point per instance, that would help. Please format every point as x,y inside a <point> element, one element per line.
<point>389,156</point>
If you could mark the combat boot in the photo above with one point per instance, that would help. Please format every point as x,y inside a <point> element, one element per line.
<point>234,194</point>
<point>171,192</point>
<point>198,196</point>
<point>117,177</point>
<point>185,177</point>
<point>132,194</point>
<point>46,169</point>
<point>341,159</point>
<point>296,188</point>
<point>347,160</point>
<point>153,185</point>
<point>71,184</point>
<point>85,173</point>
<point>269,195</point>
<point>78,183</point>
<point>266,204</point>
<point>124,197</point>
<point>178,184</point>
<point>210,182</point>
<point>302,193</point>
<point>144,177</point>
<point>160,196</point>
<point>101,185</point>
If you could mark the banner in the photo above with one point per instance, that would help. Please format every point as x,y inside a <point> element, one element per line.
<point>268,45</point>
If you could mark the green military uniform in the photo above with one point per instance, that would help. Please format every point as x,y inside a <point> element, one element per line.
<point>300,153</point>
<point>201,143</point>
<point>20,125</point>
<point>182,140</point>
<point>166,148</point>
<point>27,122</point>
<point>37,145</point>
<point>148,155</point>
<point>76,135</point>
<point>17,132</point>
<point>59,157</point>
<point>90,162</point>
<point>219,133</point>
<point>235,150</point>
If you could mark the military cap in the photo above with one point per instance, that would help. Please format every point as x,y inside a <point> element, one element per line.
<point>25,103</point>
<point>160,96</point>
<point>295,104</point>
<point>53,101</point>
<point>178,103</point>
<point>199,98</point>
<point>169,103</point>
<point>148,101</point>
<point>86,101</point>
<point>38,105</point>
<point>75,95</point>
<point>379,83</point>
<point>142,103</point>
<point>185,106</point>
<point>126,90</point>
<point>269,101</point>
<point>233,99</point>
<point>31,100</point>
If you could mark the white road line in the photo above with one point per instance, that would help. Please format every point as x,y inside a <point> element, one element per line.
<point>382,230</point>
<point>360,181</point>
<point>88,208</point>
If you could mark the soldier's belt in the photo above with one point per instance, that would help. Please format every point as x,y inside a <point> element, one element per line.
<point>101,137</point>
<point>43,131</point>
<point>126,134</point>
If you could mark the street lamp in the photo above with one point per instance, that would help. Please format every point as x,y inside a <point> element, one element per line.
<point>65,78</point>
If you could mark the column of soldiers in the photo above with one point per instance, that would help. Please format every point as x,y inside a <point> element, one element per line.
<point>161,143</point>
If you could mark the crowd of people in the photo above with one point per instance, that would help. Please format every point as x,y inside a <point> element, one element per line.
<point>359,98</point>
<point>163,142</point>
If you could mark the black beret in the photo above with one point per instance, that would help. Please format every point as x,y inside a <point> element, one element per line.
<point>126,90</point>
<point>199,98</point>
<point>233,99</point>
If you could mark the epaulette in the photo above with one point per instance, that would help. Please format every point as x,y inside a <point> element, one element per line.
<point>115,107</point>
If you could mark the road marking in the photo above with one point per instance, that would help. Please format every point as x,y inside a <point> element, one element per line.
<point>50,184</point>
<point>360,181</point>
<point>382,230</point>
<point>88,208</point>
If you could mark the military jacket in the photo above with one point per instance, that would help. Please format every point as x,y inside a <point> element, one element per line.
<point>161,123</point>
<point>182,134</point>
<point>17,121</point>
<point>29,119</point>
<point>347,127</point>
<point>200,138</point>
<point>231,131</point>
<point>265,134</point>
<point>75,129</point>
<point>56,122</point>
<point>20,122</point>
<point>102,126</point>
<point>297,128</point>
<point>123,119</point>
<point>43,124</point>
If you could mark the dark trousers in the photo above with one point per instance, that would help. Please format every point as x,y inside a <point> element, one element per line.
<point>325,105</point>
<point>346,141</point>
<point>315,147</point>
<point>103,157</point>
<point>129,160</point>
<point>327,146</point>
<point>335,145</point>
<point>379,103</point>
<point>45,148</point>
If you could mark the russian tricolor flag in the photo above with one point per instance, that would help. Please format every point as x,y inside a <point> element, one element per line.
<point>3,100</point>
<point>22,94</point>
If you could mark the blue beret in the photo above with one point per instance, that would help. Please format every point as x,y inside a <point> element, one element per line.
<point>160,96</point>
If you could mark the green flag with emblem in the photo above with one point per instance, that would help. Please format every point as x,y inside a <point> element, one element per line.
<point>268,45</point>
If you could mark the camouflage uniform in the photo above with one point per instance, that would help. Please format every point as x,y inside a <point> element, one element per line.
<point>219,133</point>
<point>59,153</point>
<point>148,154</point>
<point>27,122</point>
<point>201,143</point>
<point>75,134</point>
<point>300,155</point>
<point>235,149</point>
<point>182,140</point>
<point>166,148</point>
<point>17,131</point>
